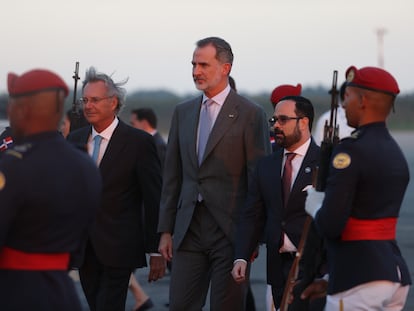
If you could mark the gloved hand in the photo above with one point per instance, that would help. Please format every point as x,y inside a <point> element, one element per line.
<point>313,201</point>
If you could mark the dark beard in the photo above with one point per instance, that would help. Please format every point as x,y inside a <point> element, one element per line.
<point>287,141</point>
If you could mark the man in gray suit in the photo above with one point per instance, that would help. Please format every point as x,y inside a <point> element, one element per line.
<point>204,190</point>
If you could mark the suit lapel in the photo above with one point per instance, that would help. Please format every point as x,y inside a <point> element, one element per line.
<point>307,168</point>
<point>191,120</point>
<point>115,146</point>
<point>226,117</point>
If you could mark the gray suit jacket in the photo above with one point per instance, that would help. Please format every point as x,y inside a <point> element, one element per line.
<point>239,137</point>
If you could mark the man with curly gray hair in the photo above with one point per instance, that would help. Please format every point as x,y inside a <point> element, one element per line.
<point>131,174</point>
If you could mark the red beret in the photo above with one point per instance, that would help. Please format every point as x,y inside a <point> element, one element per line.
<point>34,81</point>
<point>372,78</point>
<point>283,91</point>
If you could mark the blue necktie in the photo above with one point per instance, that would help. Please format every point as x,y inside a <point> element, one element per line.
<point>205,125</point>
<point>97,144</point>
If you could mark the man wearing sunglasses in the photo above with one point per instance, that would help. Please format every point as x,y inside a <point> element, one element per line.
<point>276,197</point>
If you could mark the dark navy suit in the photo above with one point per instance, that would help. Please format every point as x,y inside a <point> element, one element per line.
<point>264,211</point>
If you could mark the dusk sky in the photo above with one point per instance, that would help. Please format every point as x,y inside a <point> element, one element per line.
<point>151,42</point>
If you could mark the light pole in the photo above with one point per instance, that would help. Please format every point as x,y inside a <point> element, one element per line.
<point>380,39</point>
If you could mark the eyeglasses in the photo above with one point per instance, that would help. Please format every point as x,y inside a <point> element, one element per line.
<point>92,100</point>
<point>282,119</point>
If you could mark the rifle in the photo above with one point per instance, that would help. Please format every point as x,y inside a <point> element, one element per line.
<point>293,275</point>
<point>75,112</point>
<point>310,242</point>
<point>330,138</point>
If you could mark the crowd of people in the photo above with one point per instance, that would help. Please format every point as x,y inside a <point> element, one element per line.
<point>110,197</point>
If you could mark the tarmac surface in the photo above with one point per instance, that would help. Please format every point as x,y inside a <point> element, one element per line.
<point>158,291</point>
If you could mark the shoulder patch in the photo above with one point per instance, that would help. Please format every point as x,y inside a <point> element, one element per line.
<point>355,134</point>
<point>19,150</point>
<point>2,181</point>
<point>341,160</point>
<point>15,153</point>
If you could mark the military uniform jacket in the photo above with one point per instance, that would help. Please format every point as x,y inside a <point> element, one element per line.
<point>49,194</point>
<point>368,178</point>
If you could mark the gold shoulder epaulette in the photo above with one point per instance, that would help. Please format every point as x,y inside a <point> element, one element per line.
<point>19,150</point>
<point>355,134</point>
<point>14,153</point>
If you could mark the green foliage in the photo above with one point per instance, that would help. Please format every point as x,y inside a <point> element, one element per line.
<point>163,103</point>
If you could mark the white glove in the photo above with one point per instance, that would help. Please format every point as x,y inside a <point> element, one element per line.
<point>314,201</point>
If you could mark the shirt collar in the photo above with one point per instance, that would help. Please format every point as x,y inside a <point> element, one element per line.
<point>302,149</point>
<point>220,97</point>
<point>106,133</point>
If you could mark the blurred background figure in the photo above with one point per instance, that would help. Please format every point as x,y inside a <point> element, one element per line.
<point>66,122</point>
<point>344,129</point>
<point>145,119</point>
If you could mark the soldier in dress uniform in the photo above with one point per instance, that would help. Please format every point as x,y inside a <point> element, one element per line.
<point>49,192</point>
<point>358,211</point>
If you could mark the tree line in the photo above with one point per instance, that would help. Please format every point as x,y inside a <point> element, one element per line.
<point>163,103</point>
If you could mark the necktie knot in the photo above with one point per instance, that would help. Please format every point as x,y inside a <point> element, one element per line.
<point>290,156</point>
<point>96,146</point>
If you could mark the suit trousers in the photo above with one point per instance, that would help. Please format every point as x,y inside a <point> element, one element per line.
<point>287,261</point>
<point>105,287</point>
<point>205,256</point>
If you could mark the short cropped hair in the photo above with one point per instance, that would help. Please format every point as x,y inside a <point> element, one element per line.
<point>224,54</point>
<point>146,114</point>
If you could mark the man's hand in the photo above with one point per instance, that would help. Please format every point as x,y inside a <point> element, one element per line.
<point>317,289</point>
<point>313,201</point>
<point>157,268</point>
<point>239,271</point>
<point>165,247</point>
